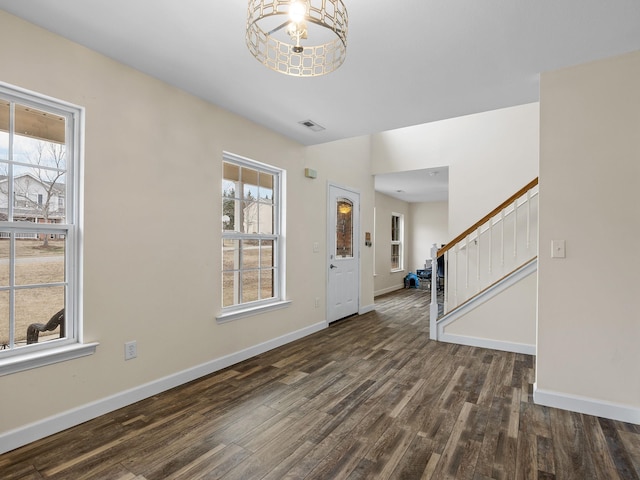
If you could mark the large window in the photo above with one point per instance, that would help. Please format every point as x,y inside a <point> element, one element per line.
<point>397,236</point>
<point>39,244</point>
<point>252,257</point>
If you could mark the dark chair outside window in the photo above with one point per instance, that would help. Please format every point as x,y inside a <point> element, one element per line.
<point>34,330</point>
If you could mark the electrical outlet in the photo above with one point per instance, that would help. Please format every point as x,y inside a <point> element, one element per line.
<point>130,350</point>
<point>317,302</point>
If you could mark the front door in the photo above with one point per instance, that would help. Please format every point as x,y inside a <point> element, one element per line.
<point>343,262</point>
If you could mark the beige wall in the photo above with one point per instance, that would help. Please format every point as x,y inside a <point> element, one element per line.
<point>430,224</point>
<point>506,322</point>
<point>152,232</point>
<point>385,280</point>
<point>588,327</point>
<point>345,163</point>
<point>490,156</point>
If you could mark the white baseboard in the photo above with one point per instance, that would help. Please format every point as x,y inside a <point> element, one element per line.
<point>586,405</point>
<point>388,290</point>
<point>43,428</point>
<point>488,343</point>
<point>366,309</point>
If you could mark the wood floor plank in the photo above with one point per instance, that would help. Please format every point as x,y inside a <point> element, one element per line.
<point>387,453</point>
<point>217,465</point>
<point>603,463</point>
<point>449,461</point>
<point>432,464</point>
<point>414,461</point>
<point>546,462</point>
<point>570,452</point>
<point>371,397</point>
<point>489,447</point>
<point>405,400</point>
<point>631,444</point>
<point>526,461</point>
<point>620,455</point>
<point>188,470</point>
<point>99,449</point>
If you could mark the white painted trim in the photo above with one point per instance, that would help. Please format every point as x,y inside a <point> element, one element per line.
<point>586,405</point>
<point>518,275</point>
<point>366,309</point>
<point>43,428</point>
<point>488,343</point>
<point>388,290</point>
<point>248,312</point>
<point>49,356</point>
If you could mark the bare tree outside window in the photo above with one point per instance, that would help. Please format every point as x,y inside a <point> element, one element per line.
<point>38,191</point>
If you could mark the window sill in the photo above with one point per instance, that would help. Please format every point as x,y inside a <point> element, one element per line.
<point>247,312</point>
<point>397,270</point>
<point>28,361</point>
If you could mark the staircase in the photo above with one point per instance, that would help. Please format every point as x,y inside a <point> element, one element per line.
<point>488,297</point>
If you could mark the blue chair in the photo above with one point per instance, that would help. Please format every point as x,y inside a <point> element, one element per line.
<point>425,277</point>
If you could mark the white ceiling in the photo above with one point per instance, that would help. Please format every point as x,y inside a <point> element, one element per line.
<point>408,61</point>
<point>428,185</point>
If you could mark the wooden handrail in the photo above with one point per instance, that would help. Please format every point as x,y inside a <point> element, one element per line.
<point>489,215</point>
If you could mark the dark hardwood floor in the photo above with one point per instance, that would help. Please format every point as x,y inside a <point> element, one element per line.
<point>371,397</point>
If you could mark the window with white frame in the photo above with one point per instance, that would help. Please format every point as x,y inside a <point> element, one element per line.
<point>40,148</point>
<point>252,257</point>
<point>397,238</point>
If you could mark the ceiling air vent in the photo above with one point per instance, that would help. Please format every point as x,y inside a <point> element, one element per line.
<point>311,125</point>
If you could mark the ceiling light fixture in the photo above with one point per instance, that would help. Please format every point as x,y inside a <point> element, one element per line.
<point>276,30</point>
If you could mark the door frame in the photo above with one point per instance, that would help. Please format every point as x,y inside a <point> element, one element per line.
<point>356,240</point>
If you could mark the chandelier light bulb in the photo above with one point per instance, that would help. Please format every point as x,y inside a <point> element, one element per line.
<point>297,12</point>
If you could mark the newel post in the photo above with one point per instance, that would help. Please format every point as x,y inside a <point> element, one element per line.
<point>433,307</point>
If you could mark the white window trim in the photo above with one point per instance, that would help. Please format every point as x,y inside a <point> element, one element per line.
<point>49,356</point>
<point>250,311</point>
<point>399,242</point>
<point>72,346</point>
<point>375,273</point>
<point>235,312</point>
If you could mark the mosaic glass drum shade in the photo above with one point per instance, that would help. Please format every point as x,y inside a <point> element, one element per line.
<point>280,42</point>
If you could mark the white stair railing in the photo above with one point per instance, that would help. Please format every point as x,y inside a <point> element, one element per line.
<point>500,243</point>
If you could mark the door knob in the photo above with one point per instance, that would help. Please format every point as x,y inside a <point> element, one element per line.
<point>332,266</point>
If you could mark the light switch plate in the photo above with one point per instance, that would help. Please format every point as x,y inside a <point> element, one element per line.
<point>558,249</point>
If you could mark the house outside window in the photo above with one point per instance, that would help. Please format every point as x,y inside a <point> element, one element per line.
<point>252,220</point>
<point>40,148</point>
<point>397,239</point>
